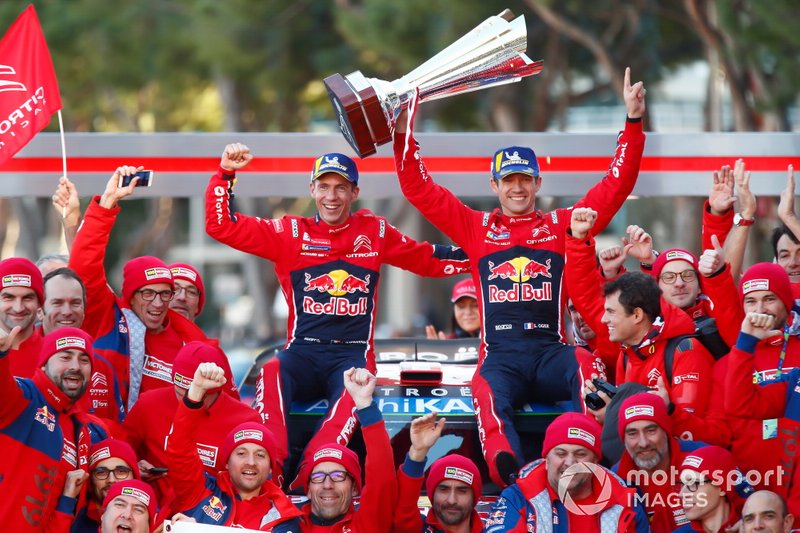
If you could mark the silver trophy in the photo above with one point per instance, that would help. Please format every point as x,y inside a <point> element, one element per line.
<point>489,55</point>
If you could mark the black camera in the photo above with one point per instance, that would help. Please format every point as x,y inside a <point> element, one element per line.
<point>593,400</point>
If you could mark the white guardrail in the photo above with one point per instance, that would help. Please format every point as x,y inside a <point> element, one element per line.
<point>673,164</point>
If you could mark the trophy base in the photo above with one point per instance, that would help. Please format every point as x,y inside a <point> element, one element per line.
<point>359,113</point>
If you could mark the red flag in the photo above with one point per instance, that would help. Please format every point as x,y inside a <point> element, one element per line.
<point>28,86</point>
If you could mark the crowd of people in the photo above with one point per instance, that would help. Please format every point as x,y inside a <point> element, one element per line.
<point>118,412</point>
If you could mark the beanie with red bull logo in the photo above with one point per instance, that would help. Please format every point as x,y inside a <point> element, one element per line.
<point>514,159</point>
<point>21,272</point>
<point>338,164</point>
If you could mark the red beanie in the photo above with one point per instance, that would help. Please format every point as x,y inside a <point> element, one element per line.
<point>141,271</point>
<point>768,277</point>
<point>108,448</point>
<point>455,467</point>
<point>189,358</point>
<point>336,453</point>
<point>134,488</point>
<point>643,406</point>
<point>64,339</point>
<point>673,254</point>
<point>574,428</point>
<point>464,289</point>
<point>189,273</point>
<point>21,272</point>
<point>249,432</point>
<point>719,467</point>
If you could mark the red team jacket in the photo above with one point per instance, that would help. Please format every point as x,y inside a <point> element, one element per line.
<point>43,435</point>
<point>104,320</point>
<point>23,359</point>
<point>212,499</point>
<point>379,494</point>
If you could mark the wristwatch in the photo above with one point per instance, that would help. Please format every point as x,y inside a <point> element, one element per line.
<point>739,220</point>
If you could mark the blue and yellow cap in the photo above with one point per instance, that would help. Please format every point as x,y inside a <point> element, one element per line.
<point>514,159</point>
<point>338,164</point>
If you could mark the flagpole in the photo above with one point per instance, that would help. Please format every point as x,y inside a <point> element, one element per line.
<point>63,156</point>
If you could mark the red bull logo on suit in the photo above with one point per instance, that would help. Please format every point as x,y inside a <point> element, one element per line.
<point>337,283</point>
<point>520,270</point>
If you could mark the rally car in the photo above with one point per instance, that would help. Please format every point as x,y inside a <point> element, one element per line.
<point>415,377</point>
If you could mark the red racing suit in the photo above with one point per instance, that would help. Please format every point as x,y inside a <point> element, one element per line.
<point>517,265</point>
<point>43,435</point>
<point>104,318</point>
<point>379,493</point>
<point>213,499</point>
<point>407,518</point>
<point>329,277</point>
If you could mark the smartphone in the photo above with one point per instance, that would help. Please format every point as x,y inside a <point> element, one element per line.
<point>155,471</point>
<point>145,179</point>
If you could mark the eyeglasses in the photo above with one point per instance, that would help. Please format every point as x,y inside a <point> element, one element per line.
<point>148,295</point>
<point>687,276</point>
<point>120,472</point>
<point>191,292</point>
<point>694,485</point>
<point>337,476</point>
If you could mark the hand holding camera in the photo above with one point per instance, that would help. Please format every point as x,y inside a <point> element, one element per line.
<point>599,396</point>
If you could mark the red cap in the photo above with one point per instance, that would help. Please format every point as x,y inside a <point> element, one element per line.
<point>245,432</point>
<point>464,288</point>
<point>108,448</point>
<point>141,271</point>
<point>768,277</point>
<point>336,453</point>
<point>455,467</point>
<point>189,358</point>
<point>188,273</point>
<point>673,254</point>
<point>133,488</point>
<point>719,467</point>
<point>643,406</point>
<point>574,428</point>
<point>64,339</point>
<point>21,272</point>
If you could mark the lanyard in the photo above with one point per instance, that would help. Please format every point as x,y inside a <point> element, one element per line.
<point>779,371</point>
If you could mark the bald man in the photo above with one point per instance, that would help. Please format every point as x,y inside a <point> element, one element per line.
<point>766,511</point>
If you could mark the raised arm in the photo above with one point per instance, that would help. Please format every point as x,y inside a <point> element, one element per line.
<point>424,433</point>
<point>68,206</point>
<point>185,466</point>
<point>607,196</point>
<point>743,397</point>
<point>736,243</point>
<point>245,233</point>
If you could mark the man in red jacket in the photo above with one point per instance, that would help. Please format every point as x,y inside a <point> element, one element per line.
<point>136,332</point>
<point>652,458</point>
<point>129,506</point>
<point>775,403</point>
<point>241,494</point>
<point>190,293</point>
<point>453,486</point>
<point>333,478</point>
<point>148,425</point>
<point>516,257</point>
<point>21,295</point>
<point>328,267</point>
<point>566,490</point>
<point>43,429</point>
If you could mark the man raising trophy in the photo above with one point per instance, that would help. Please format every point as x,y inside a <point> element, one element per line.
<point>517,259</point>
